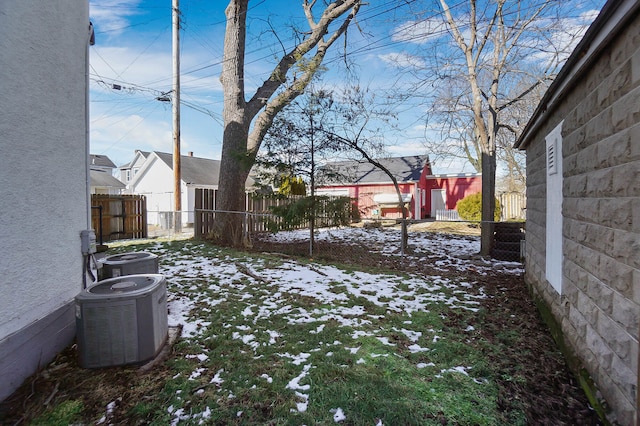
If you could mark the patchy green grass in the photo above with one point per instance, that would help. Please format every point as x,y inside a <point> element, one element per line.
<point>66,413</point>
<point>269,340</point>
<point>272,340</point>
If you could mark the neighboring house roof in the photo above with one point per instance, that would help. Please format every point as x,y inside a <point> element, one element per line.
<point>100,178</point>
<point>195,171</point>
<point>612,19</point>
<point>405,169</point>
<point>143,154</point>
<point>101,161</point>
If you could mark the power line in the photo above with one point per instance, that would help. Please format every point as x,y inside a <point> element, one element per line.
<point>368,47</point>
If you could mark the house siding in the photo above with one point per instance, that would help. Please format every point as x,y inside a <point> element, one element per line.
<point>44,182</point>
<point>156,181</point>
<point>456,187</point>
<point>365,193</point>
<point>598,308</point>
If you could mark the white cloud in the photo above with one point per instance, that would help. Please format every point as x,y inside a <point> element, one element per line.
<point>151,70</point>
<point>402,60</point>
<point>129,65</point>
<point>111,16</point>
<point>119,135</point>
<point>405,148</point>
<point>564,35</point>
<point>419,32</point>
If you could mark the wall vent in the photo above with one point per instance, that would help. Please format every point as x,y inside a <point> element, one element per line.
<point>552,161</point>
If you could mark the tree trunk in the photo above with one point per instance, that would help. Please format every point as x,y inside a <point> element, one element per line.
<point>239,146</point>
<point>227,228</point>
<point>312,218</point>
<point>404,238</point>
<point>488,201</point>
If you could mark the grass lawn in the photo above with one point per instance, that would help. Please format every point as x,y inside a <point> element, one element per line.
<point>355,336</point>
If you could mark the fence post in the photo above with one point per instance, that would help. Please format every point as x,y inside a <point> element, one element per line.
<point>100,219</point>
<point>145,229</point>
<point>245,226</point>
<point>196,223</point>
<point>124,217</point>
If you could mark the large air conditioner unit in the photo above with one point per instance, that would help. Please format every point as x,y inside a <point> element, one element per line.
<point>129,264</point>
<point>121,320</point>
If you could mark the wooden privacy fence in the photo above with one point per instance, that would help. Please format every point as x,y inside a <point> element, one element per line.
<point>256,217</point>
<point>513,204</point>
<point>118,217</point>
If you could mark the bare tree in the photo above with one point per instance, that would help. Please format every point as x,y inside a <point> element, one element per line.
<point>483,58</point>
<point>357,129</point>
<point>247,121</point>
<point>296,145</point>
<point>502,35</point>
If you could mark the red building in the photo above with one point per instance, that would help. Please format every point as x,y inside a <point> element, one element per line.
<point>374,193</point>
<point>444,191</point>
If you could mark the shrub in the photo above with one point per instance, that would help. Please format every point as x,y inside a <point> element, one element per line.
<point>296,212</point>
<point>292,185</point>
<point>470,208</point>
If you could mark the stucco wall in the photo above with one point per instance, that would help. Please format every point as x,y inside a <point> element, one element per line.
<point>43,185</point>
<point>598,307</point>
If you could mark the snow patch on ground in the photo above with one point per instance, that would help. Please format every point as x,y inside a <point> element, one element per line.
<point>199,283</point>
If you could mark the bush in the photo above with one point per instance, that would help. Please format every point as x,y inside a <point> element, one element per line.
<point>291,185</point>
<point>296,213</point>
<point>470,208</point>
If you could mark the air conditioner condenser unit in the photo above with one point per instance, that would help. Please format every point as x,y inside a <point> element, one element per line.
<point>121,320</point>
<point>129,264</point>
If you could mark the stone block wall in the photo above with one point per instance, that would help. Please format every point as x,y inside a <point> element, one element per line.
<point>598,308</point>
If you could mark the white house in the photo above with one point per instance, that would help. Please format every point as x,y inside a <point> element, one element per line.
<point>154,178</point>
<point>44,180</point>
<point>102,179</point>
<point>129,170</point>
<point>101,162</point>
<point>104,183</point>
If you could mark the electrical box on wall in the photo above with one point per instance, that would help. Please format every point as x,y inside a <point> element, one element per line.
<point>87,241</point>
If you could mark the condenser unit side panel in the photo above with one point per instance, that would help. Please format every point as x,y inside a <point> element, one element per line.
<point>142,266</point>
<point>152,324</point>
<point>161,317</point>
<point>109,333</point>
<point>147,265</point>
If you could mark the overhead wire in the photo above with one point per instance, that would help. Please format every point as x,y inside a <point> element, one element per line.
<point>369,47</point>
<point>365,49</point>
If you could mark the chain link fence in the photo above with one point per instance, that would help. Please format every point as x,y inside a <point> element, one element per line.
<point>508,241</point>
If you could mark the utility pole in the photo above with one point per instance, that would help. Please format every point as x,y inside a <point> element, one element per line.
<point>175,15</point>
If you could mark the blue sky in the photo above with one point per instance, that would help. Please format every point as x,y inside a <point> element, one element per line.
<point>131,67</point>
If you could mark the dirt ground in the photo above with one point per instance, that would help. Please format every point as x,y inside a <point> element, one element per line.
<point>545,388</point>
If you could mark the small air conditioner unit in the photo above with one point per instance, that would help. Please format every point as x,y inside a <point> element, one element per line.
<point>121,320</point>
<point>129,264</point>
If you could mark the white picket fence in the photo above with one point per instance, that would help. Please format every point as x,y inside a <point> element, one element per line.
<point>448,215</point>
<point>513,207</point>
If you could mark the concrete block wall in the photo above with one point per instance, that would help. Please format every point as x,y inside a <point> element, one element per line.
<point>599,306</point>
